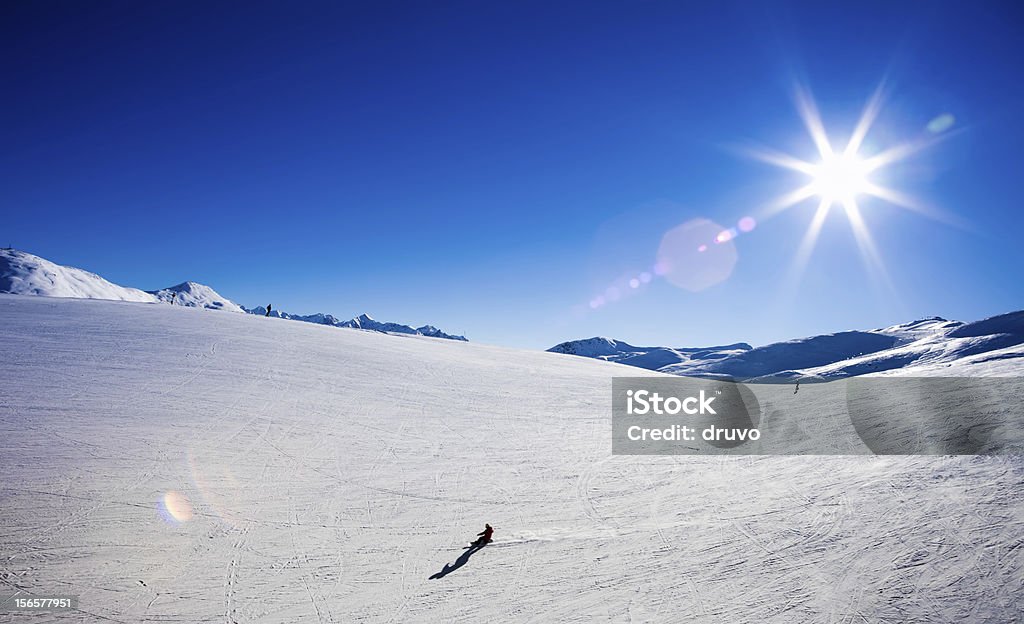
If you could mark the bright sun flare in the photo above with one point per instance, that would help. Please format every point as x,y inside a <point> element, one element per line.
<point>840,178</point>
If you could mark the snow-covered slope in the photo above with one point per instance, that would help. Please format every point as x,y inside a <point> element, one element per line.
<point>196,295</point>
<point>22,273</point>
<point>926,346</point>
<point>166,464</point>
<point>651,358</point>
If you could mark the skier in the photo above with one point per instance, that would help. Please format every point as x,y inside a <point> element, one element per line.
<point>485,536</point>
<point>269,308</point>
<point>174,296</point>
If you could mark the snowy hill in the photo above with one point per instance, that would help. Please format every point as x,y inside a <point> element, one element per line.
<point>22,273</point>
<point>651,358</point>
<point>166,465</point>
<point>196,295</point>
<point>926,346</point>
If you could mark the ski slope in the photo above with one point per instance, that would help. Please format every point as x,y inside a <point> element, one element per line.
<point>167,463</point>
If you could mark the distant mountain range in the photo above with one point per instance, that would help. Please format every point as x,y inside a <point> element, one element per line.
<point>22,273</point>
<point>994,346</point>
<point>363,321</point>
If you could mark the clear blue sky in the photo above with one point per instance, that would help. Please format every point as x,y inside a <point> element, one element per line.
<point>491,168</point>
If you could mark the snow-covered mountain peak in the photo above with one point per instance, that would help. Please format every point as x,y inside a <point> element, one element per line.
<point>196,295</point>
<point>651,358</point>
<point>925,346</point>
<point>597,346</point>
<point>22,273</point>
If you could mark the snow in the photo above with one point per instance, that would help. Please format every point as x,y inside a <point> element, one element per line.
<point>197,296</point>
<point>651,358</point>
<point>319,475</point>
<point>22,273</point>
<point>927,347</point>
<point>363,321</point>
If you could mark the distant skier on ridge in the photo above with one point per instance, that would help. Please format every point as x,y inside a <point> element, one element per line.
<point>269,308</point>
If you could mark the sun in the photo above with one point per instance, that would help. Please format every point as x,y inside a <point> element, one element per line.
<point>840,178</point>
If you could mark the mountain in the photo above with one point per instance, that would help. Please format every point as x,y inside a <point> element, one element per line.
<point>650,358</point>
<point>927,346</point>
<point>196,295</point>
<point>22,273</point>
<point>363,321</point>
<point>222,467</point>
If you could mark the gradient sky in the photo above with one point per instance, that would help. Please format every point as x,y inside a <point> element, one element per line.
<point>492,168</point>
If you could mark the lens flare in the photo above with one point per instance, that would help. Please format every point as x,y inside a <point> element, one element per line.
<point>687,267</point>
<point>176,506</point>
<point>941,123</point>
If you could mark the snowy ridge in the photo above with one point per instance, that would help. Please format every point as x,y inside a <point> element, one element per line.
<point>196,295</point>
<point>363,321</point>
<point>22,273</point>
<point>650,358</point>
<point>928,346</point>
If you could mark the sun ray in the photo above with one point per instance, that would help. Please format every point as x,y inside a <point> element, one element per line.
<point>779,159</point>
<point>788,200</point>
<point>808,243</point>
<point>905,201</point>
<point>869,252</point>
<point>812,120</point>
<point>867,119</point>
<point>906,150</point>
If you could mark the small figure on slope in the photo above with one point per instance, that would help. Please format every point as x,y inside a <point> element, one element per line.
<point>485,536</point>
<point>269,308</point>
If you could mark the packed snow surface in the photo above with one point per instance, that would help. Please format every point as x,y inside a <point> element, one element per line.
<point>168,464</point>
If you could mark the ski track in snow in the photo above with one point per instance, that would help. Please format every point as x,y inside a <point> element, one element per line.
<point>332,472</point>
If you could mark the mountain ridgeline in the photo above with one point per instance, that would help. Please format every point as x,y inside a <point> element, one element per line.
<point>22,273</point>
<point>993,346</point>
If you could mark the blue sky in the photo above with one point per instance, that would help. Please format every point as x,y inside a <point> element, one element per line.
<point>493,168</point>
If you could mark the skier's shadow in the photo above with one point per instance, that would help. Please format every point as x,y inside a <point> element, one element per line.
<point>461,561</point>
